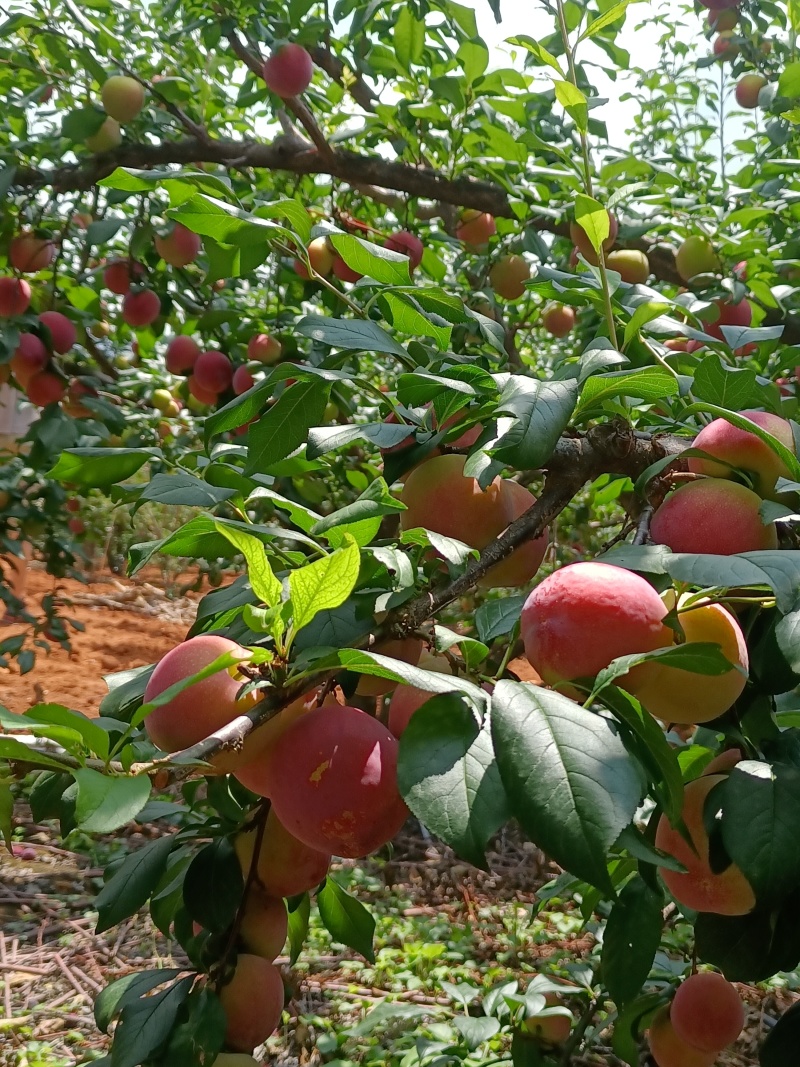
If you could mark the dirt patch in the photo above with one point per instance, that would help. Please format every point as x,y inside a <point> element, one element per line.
<point>126,624</point>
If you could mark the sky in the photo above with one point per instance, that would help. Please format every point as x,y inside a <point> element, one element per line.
<point>640,39</point>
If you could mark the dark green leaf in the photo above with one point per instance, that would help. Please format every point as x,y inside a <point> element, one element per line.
<point>631,940</point>
<point>346,919</point>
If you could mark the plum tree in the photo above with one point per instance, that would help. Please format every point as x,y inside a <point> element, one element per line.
<point>698,887</point>
<point>181,355</point>
<point>202,707</point>
<point>741,449</point>
<point>439,497</point>
<point>707,1012</point>
<point>29,253</point>
<point>524,562</point>
<point>580,238</point>
<point>264,925</point>
<point>288,71</point>
<point>179,247</point>
<point>631,264</point>
<point>123,97</point>
<point>748,90</point>
<point>584,615</point>
<point>213,371</point>
<point>252,1001</point>
<point>285,865</point>
<point>408,244</point>
<point>667,1048</point>
<point>141,307</point>
<point>695,256</point>
<point>15,296</point>
<point>332,779</point>
<point>712,515</point>
<point>108,136</point>
<point>406,649</point>
<point>63,334</point>
<point>475,228</point>
<point>263,348</point>
<point>508,276</point>
<point>558,319</point>
<point>681,696</point>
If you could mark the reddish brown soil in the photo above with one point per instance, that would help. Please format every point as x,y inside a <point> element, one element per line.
<point>127,624</point>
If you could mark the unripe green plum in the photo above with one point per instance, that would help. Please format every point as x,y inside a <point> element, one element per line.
<point>668,1050</point>
<point>123,97</point>
<point>631,264</point>
<point>696,256</point>
<point>743,450</point>
<point>712,515</point>
<point>332,778</point>
<point>748,89</point>
<point>508,276</point>
<point>698,887</point>
<point>252,1001</point>
<point>680,696</point>
<point>584,615</point>
<point>264,926</point>
<point>109,136</point>
<point>707,1012</point>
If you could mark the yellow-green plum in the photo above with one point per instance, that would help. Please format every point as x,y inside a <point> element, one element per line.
<point>584,615</point>
<point>698,887</point>
<point>679,696</point>
<point>265,924</point>
<point>508,276</point>
<point>631,264</point>
<point>252,1001</point>
<point>285,866</point>
<point>667,1048</point>
<point>712,515</point>
<point>696,256</point>
<point>108,136</point>
<point>123,97</point>
<point>743,450</point>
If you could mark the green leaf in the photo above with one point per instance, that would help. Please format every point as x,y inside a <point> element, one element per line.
<point>570,781</point>
<point>751,948</point>
<point>574,103</point>
<point>729,387</point>
<point>537,49</point>
<point>626,1040</point>
<point>644,313</point>
<point>697,657</point>
<point>631,940</point>
<point>645,383</point>
<point>760,812</point>
<point>324,584</point>
<point>182,489</point>
<point>6,813</point>
<point>213,886</point>
<point>284,426</point>
<point>350,335</point>
<point>346,919</point>
<point>448,776</point>
<point>12,749</point>
<point>263,582</point>
<point>476,1029</point>
<point>105,803</point>
<point>542,411</point>
<point>409,38</point>
<point>97,468</point>
<point>111,1000</point>
<point>382,264</point>
<point>789,81</point>
<point>375,501</point>
<point>81,123</point>
<point>474,59</point>
<point>497,617</point>
<point>612,15</point>
<point>131,884</point>
<point>145,1024</point>
<point>593,219</point>
<point>298,927</point>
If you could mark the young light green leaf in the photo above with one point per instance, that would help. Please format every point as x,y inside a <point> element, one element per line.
<point>592,217</point>
<point>574,103</point>
<point>105,803</point>
<point>262,578</point>
<point>324,584</point>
